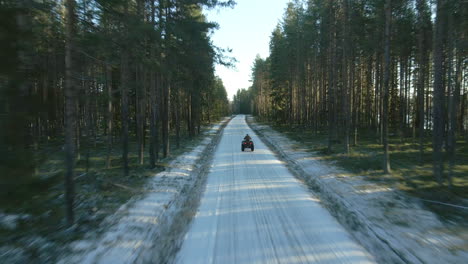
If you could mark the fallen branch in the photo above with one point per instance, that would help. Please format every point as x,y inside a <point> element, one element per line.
<point>441,203</point>
<point>123,186</point>
<point>81,175</point>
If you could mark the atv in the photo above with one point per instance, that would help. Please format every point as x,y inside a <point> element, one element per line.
<point>247,144</point>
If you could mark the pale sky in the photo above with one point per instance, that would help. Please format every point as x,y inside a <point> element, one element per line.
<point>246,29</point>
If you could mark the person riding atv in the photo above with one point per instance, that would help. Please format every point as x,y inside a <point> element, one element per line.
<point>247,143</point>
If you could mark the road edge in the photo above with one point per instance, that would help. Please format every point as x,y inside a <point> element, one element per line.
<point>177,224</point>
<point>352,220</point>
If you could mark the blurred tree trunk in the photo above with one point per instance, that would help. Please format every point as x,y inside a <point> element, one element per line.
<point>140,91</point>
<point>140,112</point>
<point>153,149</point>
<point>88,120</point>
<point>70,106</point>
<point>124,89</point>
<point>454,94</point>
<point>77,125</point>
<point>177,115</point>
<point>439,90</point>
<point>124,94</point>
<point>165,116</point>
<point>386,88</point>
<point>422,61</point>
<point>153,100</point>
<point>331,77</point>
<point>347,82</point>
<point>110,114</point>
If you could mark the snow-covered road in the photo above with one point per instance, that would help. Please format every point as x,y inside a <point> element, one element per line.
<point>255,211</point>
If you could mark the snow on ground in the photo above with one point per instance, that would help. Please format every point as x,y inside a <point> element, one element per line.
<point>254,210</point>
<point>138,230</point>
<point>381,218</point>
<point>11,221</point>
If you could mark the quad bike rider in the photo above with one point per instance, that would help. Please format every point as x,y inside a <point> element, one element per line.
<point>247,143</point>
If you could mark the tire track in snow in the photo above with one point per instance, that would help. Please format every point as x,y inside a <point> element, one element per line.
<point>264,214</point>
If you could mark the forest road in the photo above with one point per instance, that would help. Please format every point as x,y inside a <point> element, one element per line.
<point>255,211</point>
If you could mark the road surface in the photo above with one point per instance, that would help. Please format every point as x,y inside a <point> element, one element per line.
<point>255,211</point>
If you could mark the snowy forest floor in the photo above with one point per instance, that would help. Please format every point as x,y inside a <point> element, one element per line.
<point>384,212</point>
<point>138,219</point>
<point>408,174</point>
<point>32,222</point>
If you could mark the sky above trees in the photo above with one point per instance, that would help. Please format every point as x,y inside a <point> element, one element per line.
<point>246,29</point>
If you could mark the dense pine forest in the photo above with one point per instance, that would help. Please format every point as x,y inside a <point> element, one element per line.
<point>368,72</point>
<point>104,103</point>
<point>79,77</point>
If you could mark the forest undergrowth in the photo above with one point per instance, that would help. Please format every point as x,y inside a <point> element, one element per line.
<point>408,174</point>
<point>39,226</point>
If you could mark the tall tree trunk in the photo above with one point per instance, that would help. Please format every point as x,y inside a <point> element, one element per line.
<point>402,81</point>
<point>369,116</point>
<point>166,81</point>
<point>290,101</point>
<point>439,91</point>
<point>77,127</point>
<point>347,84</point>
<point>331,80</point>
<point>386,88</point>
<point>189,115</point>
<point>177,115</point>
<point>110,115</point>
<point>454,97</point>
<point>357,101</point>
<point>165,116</point>
<point>158,115</point>
<point>124,89</point>
<point>422,61</point>
<point>88,117</point>
<point>377,95</point>
<point>95,108</point>
<point>141,96</point>
<point>140,113</point>
<point>154,145</point>
<point>70,106</point>
<point>124,108</point>
<point>153,148</point>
